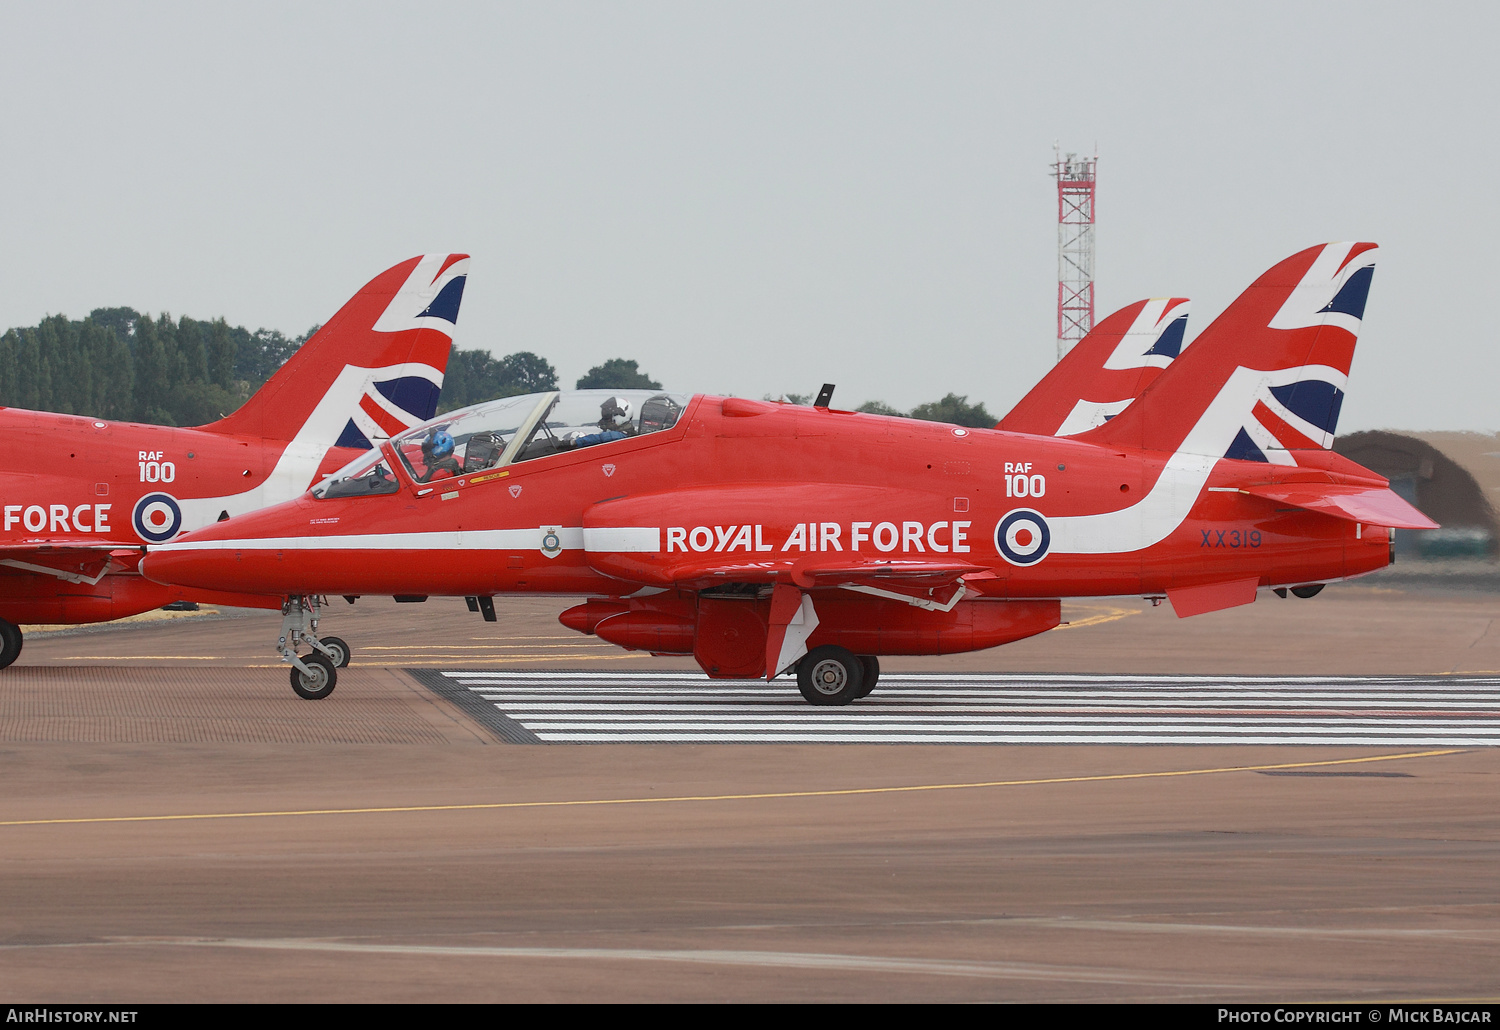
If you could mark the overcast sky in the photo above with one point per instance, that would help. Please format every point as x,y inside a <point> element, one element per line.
<point>758,198</point>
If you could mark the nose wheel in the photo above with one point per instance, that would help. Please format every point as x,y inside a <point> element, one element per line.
<point>337,650</point>
<point>315,674</point>
<point>315,679</point>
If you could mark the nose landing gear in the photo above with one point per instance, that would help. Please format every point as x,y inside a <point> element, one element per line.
<point>313,675</point>
<point>337,650</point>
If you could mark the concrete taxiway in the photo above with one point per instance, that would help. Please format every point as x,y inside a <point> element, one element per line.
<point>176,826</point>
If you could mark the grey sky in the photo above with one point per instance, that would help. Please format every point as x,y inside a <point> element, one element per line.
<point>756,198</point>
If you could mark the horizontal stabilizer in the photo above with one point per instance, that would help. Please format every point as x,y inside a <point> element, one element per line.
<point>1376,506</point>
<point>1212,597</point>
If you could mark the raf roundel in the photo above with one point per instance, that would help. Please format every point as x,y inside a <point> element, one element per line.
<point>157,518</point>
<point>1022,537</point>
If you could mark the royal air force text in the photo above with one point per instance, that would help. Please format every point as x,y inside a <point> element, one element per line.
<point>58,518</point>
<point>886,537</point>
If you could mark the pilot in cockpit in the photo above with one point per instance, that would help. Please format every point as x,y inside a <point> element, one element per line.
<point>614,424</point>
<point>437,456</point>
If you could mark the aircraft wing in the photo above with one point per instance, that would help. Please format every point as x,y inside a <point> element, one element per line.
<point>875,570</point>
<point>914,581</point>
<point>936,586</point>
<point>73,561</point>
<point>1377,506</point>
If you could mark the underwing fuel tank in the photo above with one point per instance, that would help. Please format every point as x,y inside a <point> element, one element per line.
<point>657,632</point>
<point>727,635</point>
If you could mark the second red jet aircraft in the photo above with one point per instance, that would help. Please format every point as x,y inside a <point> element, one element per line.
<point>83,498</point>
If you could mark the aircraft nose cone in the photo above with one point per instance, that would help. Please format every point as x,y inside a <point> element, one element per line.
<point>183,568</point>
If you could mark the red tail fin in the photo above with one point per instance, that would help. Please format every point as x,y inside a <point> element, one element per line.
<point>1104,372</point>
<point>373,370</point>
<point>1267,378</point>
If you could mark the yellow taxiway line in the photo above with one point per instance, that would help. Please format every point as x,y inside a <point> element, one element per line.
<point>769,796</point>
<point>1107,614</point>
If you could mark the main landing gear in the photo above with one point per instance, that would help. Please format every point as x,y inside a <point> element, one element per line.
<point>315,674</point>
<point>833,675</point>
<point>10,643</point>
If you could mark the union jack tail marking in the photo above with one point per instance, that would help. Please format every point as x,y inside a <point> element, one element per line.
<point>372,371</point>
<point>1105,372</point>
<point>1267,378</point>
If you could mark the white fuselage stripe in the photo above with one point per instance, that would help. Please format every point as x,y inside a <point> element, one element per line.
<point>572,538</point>
<point>477,539</point>
<point>1171,498</point>
<point>622,538</point>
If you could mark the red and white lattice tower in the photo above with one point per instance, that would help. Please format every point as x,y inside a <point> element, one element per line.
<point>1075,248</point>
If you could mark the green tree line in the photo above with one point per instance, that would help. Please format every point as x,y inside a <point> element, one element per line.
<point>953,408</point>
<point>120,364</point>
<point>476,375</point>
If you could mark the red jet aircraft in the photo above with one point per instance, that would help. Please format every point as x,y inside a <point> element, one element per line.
<point>762,538</point>
<point>83,498</point>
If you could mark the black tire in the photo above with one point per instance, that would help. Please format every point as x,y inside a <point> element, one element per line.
<point>1311,590</point>
<point>325,677</point>
<point>830,675</point>
<point>10,643</point>
<point>341,647</point>
<point>872,674</point>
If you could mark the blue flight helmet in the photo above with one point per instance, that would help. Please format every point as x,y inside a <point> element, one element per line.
<point>439,444</point>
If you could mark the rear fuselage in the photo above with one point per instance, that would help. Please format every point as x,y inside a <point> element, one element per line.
<point>78,491</point>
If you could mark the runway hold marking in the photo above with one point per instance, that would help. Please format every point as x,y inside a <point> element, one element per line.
<point>767,796</point>
<point>383,661</point>
<point>582,707</point>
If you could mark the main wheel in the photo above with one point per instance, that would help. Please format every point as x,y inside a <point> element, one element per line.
<point>340,649</point>
<point>10,643</point>
<point>1311,590</point>
<point>830,675</point>
<point>320,684</point>
<point>872,673</point>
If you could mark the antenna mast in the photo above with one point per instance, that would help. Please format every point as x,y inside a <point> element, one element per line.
<point>1075,248</point>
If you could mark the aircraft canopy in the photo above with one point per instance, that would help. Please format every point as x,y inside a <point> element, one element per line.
<point>506,431</point>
